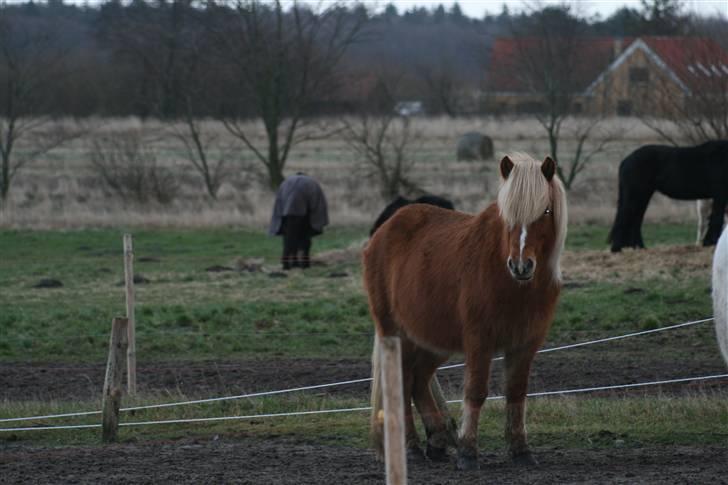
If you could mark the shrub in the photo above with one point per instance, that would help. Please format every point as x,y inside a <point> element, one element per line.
<point>130,169</point>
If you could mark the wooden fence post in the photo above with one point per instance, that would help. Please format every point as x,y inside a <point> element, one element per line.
<point>129,283</point>
<point>394,444</point>
<point>111,401</point>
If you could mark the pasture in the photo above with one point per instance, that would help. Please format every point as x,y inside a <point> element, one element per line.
<point>63,191</point>
<point>207,333</point>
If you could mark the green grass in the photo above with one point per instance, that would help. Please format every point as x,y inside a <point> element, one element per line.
<point>186,312</point>
<point>564,422</point>
<point>650,304</point>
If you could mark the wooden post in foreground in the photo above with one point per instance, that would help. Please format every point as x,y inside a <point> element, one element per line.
<point>129,284</point>
<point>394,443</point>
<point>113,389</point>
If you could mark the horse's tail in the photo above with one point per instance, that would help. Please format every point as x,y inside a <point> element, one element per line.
<point>376,432</point>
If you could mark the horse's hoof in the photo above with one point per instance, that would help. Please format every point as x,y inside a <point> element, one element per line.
<point>437,454</point>
<point>467,461</point>
<point>416,455</point>
<point>524,459</point>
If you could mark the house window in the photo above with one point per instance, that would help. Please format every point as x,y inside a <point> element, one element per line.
<point>639,75</point>
<point>624,107</point>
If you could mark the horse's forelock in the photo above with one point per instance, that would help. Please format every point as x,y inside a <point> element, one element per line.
<point>525,195</point>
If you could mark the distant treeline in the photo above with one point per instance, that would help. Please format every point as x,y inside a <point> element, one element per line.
<point>142,57</point>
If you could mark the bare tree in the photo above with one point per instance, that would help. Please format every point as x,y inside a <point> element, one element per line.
<point>551,52</point>
<point>129,167</point>
<point>590,141</point>
<point>284,62</point>
<point>205,148</point>
<point>205,151</point>
<point>155,40</point>
<point>382,142</point>
<point>30,61</point>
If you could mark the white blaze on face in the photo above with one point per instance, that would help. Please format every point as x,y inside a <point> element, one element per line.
<point>524,234</point>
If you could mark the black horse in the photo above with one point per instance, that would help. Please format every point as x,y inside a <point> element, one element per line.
<point>687,173</point>
<point>400,202</point>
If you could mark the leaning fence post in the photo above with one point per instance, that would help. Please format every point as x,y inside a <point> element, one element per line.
<point>394,444</point>
<point>111,401</point>
<point>129,284</point>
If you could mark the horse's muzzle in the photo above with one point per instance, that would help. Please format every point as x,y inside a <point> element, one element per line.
<point>522,270</point>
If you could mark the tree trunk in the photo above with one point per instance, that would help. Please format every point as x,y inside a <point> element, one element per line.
<point>5,178</point>
<point>211,187</point>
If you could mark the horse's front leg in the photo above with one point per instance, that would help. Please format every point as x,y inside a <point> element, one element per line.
<point>517,368</point>
<point>477,372</point>
<point>715,224</point>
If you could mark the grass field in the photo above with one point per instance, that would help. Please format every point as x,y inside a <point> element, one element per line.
<point>60,223</point>
<point>61,190</point>
<point>187,312</point>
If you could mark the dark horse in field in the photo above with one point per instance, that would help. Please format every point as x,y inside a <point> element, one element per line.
<point>300,213</point>
<point>400,202</point>
<point>687,173</point>
<point>448,282</point>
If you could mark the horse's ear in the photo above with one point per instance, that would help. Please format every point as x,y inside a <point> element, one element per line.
<point>548,168</point>
<point>506,165</point>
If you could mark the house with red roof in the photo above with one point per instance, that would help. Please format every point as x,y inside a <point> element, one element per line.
<point>648,75</point>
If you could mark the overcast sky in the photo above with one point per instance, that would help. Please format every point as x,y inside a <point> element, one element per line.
<point>477,8</point>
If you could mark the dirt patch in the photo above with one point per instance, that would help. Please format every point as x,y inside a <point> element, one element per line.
<point>285,460</point>
<point>662,262</point>
<point>684,353</point>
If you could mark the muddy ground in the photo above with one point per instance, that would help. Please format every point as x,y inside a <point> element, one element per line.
<point>285,460</point>
<point>240,458</point>
<point>668,355</point>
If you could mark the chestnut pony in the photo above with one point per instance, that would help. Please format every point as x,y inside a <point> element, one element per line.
<point>448,282</point>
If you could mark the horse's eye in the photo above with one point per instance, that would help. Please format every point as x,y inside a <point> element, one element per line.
<point>548,211</point>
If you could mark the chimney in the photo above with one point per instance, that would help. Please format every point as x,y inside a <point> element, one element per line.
<point>617,47</point>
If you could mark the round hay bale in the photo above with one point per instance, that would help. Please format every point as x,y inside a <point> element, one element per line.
<point>474,146</point>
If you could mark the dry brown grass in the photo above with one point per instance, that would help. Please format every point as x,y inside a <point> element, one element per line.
<point>660,262</point>
<point>61,191</point>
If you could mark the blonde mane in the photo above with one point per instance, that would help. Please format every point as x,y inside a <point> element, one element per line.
<point>526,194</point>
